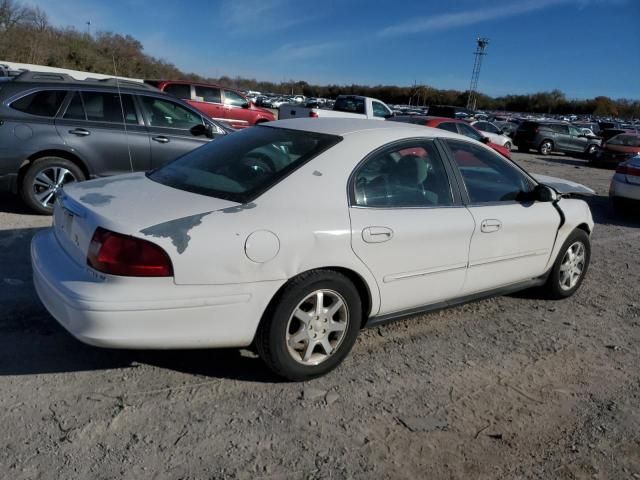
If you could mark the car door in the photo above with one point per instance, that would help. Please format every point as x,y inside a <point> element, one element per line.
<point>106,131</point>
<point>578,139</point>
<point>209,101</point>
<point>513,236</point>
<point>562,139</point>
<point>169,125</point>
<point>408,225</point>
<point>236,109</point>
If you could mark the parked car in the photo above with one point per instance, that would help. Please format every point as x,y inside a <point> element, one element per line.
<point>547,137</point>
<point>452,125</point>
<point>351,106</point>
<point>494,133</point>
<point>508,128</point>
<point>609,133</point>
<point>625,184</point>
<point>218,260</point>
<point>619,148</point>
<point>450,111</point>
<point>218,103</point>
<point>55,130</point>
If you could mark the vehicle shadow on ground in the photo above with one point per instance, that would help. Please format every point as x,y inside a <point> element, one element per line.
<point>576,162</point>
<point>32,342</point>
<point>604,214</point>
<point>13,204</point>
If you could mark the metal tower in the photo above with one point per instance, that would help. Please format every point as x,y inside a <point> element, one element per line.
<point>475,76</point>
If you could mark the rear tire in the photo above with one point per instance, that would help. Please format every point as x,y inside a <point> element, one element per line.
<point>546,147</point>
<point>291,338</point>
<point>44,178</point>
<point>570,266</point>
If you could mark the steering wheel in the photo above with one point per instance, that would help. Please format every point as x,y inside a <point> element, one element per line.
<point>261,162</point>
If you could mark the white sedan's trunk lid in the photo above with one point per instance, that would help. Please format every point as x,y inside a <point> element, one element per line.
<point>131,205</point>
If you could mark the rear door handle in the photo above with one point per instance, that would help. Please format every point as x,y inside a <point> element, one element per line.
<point>160,139</point>
<point>490,225</point>
<point>81,132</point>
<point>377,234</point>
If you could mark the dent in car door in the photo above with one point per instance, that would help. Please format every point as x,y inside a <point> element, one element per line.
<point>407,229</point>
<point>512,239</point>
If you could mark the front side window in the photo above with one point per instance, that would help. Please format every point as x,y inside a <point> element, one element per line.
<point>75,110</point>
<point>179,90</point>
<point>470,132</point>
<point>350,105</point>
<point>407,176</point>
<point>107,107</point>
<point>233,99</point>
<point>167,114</point>
<point>379,110</point>
<point>574,131</point>
<point>488,127</point>
<point>625,140</point>
<point>562,129</point>
<point>43,104</point>
<point>208,94</point>
<point>487,177</point>
<point>241,166</point>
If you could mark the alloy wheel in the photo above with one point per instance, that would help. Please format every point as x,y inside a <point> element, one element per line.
<point>317,327</point>
<point>48,182</point>
<point>572,266</point>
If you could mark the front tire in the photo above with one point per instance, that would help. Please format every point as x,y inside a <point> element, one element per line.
<point>45,177</point>
<point>311,325</point>
<point>570,266</point>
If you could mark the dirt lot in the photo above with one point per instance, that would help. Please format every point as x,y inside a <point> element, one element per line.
<point>513,387</point>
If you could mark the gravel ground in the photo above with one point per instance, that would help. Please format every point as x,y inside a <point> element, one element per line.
<point>513,387</point>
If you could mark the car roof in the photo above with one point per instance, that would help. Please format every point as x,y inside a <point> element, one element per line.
<point>189,82</point>
<point>348,126</point>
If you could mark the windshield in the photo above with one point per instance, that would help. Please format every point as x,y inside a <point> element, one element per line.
<point>242,165</point>
<point>625,140</point>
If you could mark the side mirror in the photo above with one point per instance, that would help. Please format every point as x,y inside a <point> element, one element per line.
<point>246,104</point>
<point>544,193</point>
<point>200,130</point>
<point>485,140</point>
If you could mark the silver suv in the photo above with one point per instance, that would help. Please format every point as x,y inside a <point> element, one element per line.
<point>55,130</point>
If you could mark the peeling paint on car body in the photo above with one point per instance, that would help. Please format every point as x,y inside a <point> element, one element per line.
<point>239,208</point>
<point>96,199</point>
<point>177,230</point>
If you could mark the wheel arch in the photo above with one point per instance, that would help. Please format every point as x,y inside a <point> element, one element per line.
<point>51,153</point>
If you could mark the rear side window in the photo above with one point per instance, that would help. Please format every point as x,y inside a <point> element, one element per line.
<point>44,103</point>
<point>179,90</point>
<point>208,94</point>
<point>625,140</point>
<point>448,126</point>
<point>103,107</point>
<point>562,129</point>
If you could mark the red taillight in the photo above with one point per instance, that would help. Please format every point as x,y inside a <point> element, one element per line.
<point>313,114</point>
<point>630,170</point>
<point>118,254</point>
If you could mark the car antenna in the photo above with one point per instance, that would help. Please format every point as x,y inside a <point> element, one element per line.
<point>124,121</point>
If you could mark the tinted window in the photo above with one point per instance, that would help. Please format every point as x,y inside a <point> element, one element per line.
<point>409,176</point>
<point>44,103</point>
<point>487,127</point>
<point>75,110</point>
<point>488,177</point>
<point>574,131</point>
<point>179,90</point>
<point>164,113</point>
<point>625,140</point>
<point>470,132</point>
<point>239,167</point>
<point>232,98</point>
<point>208,94</point>
<point>562,129</point>
<point>379,110</point>
<point>349,104</point>
<point>449,126</point>
<point>107,107</point>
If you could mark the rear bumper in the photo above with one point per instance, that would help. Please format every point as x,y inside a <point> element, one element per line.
<point>138,313</point>
<point>620,188</point>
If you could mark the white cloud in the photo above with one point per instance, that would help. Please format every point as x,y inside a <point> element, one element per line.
<point>446,21</point>
<point>259,16</point>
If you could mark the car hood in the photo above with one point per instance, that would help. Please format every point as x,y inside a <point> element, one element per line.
<point>130,203</point>
<point>564,187</point>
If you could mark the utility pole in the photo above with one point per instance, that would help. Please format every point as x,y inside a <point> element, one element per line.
<point>481,43</point>
<point>89,27</point>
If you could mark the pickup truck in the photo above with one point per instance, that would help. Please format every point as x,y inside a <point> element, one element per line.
<point>351,106</point>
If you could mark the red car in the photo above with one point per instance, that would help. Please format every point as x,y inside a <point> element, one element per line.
<point>453,125</point>
<point>219,103</point>
<point>619,148</point>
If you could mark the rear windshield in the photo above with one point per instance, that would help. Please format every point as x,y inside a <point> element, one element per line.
<point>349,104</point>
<point>243,165</point>
<point>625,140</point>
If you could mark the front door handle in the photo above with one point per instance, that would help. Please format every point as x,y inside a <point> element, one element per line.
<point>377,234</point>
<point>81,132</point>
<point>160,139</point>
<point>490,225</point>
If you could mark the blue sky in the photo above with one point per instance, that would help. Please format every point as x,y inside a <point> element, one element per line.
<point>583,47</point>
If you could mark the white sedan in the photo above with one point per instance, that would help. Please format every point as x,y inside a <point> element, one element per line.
<point>625,184</point>
<point>494,134</point>
<point>295,235</point>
